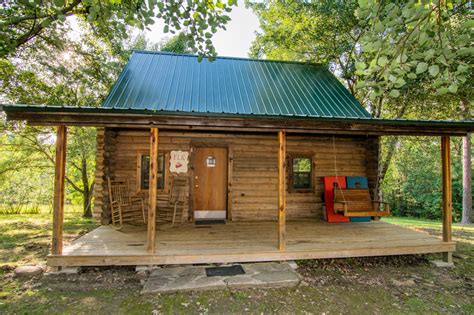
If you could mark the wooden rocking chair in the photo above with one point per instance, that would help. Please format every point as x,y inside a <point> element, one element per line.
<point>173,209</point>
<point>124,207</point>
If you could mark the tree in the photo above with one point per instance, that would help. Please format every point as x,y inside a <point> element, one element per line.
<point>407,59</point>
<point>26,23</point>
<point>383,51</point>
<point>317,31</point>
<point>413,183</point>
<point>82,73</point>
<point>466,170</point>
<point>80,76</point>
<point>178,44</point>
<point>423,44</point>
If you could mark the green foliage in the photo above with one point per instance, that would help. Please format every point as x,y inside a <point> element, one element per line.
<point>415,42</point>
<point>316,31</point>
<point>389,54</point>
<point>404,59</point>
<point>178,44</point>
<point>412,185</point>
<point>24,22</point>
<point>81,75</point>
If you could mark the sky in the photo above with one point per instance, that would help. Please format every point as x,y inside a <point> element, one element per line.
<point>233,42</point>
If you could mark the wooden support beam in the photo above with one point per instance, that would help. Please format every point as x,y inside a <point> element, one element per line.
<point>281,190</point>
<point>151,233</point>
<point>447,193</point>
<point>58,204</point>
<point>230,170</point>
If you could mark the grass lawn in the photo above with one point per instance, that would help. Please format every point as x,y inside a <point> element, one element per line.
<point>371,285</point>
<point>26,238</point>
<point>461,233</point>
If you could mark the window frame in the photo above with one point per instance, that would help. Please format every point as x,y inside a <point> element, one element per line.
<point>140,156</point>
<point>291,187</point>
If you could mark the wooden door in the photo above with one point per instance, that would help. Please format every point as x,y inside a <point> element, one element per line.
<point>210,183</point>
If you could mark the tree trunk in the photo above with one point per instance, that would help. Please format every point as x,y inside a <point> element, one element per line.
<point>466,170</point>
<point>87,208</point>
<point>87,192</point>
<point>466,180</point>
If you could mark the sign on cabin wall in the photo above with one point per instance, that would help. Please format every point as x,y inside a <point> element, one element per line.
<point>179,161</point>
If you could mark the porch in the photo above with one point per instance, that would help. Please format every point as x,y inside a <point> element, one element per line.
<point>245,242</point>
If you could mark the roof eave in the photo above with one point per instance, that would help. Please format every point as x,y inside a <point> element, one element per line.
<point>103,117</point>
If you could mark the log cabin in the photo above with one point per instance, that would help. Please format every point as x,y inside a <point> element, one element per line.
<point>234,160</point>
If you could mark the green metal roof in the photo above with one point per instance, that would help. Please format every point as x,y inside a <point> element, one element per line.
<point>167,82</point>
<point>155,84</point>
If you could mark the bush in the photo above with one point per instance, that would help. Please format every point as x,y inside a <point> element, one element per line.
<point>19,209</point>
<point>413,184</point>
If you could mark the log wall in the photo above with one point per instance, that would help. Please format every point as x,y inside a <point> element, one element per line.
<point>105,167</point>
<point>99,176</point>
<point>253,175</point>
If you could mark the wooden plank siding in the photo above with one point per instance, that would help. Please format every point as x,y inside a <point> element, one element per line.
<point>253,179</point>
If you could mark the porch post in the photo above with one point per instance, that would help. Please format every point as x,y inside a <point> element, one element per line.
<point>58,203</point>
<point>281,190</point>
<point>151,234</point>
<point>447,194</point>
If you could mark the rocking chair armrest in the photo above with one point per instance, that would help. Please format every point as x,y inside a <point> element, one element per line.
<point>175,203</point>
<point>134,199</point>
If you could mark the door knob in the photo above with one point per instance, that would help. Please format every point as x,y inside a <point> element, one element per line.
<point>197,186</point>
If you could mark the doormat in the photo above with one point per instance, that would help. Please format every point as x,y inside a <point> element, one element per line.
<point>225,271</point>
<point>208,222</point>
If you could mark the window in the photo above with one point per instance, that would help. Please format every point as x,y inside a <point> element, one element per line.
<point>145,172</point>
<point>301,174</point>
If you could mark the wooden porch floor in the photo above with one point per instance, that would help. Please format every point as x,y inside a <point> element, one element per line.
<point>245,242</point>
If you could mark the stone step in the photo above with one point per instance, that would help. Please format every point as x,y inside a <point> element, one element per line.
<point>193,278</point>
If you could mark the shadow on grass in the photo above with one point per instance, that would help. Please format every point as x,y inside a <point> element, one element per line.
<point>26,238</point>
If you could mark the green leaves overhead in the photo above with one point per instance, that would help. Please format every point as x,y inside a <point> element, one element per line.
<point>395,93</point>
<point>421,67</point>
<point>388,53</point>
<point>314,31</point>
<point>382,61</point>
<point>25,21</point>
<point>434,70</point>
<point>427,42</point>
<point>360,65</point>
<point>178,44</point>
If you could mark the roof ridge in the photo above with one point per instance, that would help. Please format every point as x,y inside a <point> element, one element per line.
<point>156,52</point>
